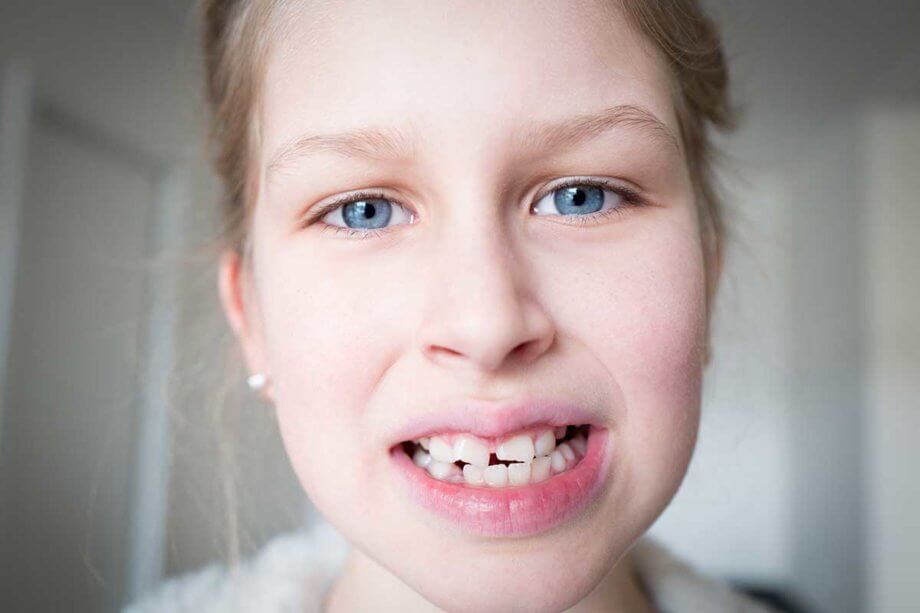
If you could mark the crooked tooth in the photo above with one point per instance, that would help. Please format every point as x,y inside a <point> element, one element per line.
<point>442,470</point>
<point>566,452</point>
<point>519,473</point>
<point>441,450</point>
<point>516,449</point>
<point>580,445</point>
<point>560,431</point>
<point>558,461</point>
<point>496,475</point>
<point>424,442</point>
<point>545,443</point>
<point>540,469</point>
<point>473,475</point>
<point>421,458</point>
<point>468,449</point>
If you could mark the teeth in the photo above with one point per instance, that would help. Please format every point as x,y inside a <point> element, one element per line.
<point>545,443</point>
<point>421,458</point>
<point>496,475</point>
<point>469,450</point>
<point>566,450</point>
<point>558,461</point>
<point>532,458</point>
<point>519,473</point>
<point>443,471</point>
<point>580,445</point>
<point>516,449</point>
<point>540,469</point>
<point>441,450</point>
<point>473,475</point>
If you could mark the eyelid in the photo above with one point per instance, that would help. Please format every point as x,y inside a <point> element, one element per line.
<point>628,193</point>
<point>319,211</point>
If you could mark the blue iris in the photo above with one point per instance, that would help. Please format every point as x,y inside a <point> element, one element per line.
<point>579,199</point>
<point>367,214</point>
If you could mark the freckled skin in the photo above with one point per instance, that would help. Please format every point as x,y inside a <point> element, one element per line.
<point>479,297</point>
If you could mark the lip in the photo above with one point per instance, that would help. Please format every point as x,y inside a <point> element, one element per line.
<point>490,420</point>
<point>511,511</point>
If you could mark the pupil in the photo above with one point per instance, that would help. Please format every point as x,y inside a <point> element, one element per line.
<point>579,200</point>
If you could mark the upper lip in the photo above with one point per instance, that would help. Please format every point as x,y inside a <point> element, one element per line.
<point>490,419</point>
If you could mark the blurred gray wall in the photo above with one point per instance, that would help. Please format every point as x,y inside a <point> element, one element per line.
<point>111,337</point>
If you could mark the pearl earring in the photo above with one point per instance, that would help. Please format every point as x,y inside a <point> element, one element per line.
<point>256,381</point>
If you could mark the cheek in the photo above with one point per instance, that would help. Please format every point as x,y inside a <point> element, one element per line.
<point>328,342</point>
<point>641,314</point>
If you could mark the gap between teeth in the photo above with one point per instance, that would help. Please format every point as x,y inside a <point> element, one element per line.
<point>532,458</point>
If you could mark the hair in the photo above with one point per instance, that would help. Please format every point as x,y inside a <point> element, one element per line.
<point>235,37</point>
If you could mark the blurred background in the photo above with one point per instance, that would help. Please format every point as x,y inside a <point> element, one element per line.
<point>117,405</point>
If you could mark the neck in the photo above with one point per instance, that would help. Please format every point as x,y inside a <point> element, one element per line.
<point>365,585</point>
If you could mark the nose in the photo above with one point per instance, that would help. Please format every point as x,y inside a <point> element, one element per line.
<point>479,314</point>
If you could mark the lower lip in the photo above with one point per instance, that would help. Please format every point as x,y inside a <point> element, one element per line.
<point>511,511</point>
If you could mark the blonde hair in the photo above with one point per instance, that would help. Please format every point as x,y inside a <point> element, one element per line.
<point>235,38</point>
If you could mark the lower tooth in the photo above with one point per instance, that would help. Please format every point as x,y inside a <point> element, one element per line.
<point>519,473</point>
<point>566,450</point>
<point>580,445</point>
<point>558,461</point>
<point>540,469</point>
<point>496,475</point>
<point>473,475</point>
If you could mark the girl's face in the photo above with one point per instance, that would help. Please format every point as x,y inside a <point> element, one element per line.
<point>517,251</point>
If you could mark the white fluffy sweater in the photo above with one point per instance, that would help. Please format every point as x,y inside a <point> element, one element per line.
<point>293,571</point>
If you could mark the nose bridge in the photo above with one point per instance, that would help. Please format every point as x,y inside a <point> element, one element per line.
<point>479,309</point>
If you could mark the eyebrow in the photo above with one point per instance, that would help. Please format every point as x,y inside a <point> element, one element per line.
<point>392,144</point>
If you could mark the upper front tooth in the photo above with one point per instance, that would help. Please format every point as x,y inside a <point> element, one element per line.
<point>516,449</point>
<point>424,442</point>
<point>545,443</point>
<point>441,450</point>
<point>471,451</point>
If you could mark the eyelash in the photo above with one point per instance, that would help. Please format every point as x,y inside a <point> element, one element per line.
<point>631,199</point>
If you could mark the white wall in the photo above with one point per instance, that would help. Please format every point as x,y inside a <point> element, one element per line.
<point>892,301</point>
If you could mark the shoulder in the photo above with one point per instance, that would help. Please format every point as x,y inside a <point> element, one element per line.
<point>676,587</point>
<point>290,573</point>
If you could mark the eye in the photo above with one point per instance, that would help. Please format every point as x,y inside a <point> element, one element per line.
<point>584,198</point>
<point>363,212</point>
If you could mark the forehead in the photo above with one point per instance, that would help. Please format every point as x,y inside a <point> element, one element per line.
<point>468,73</point>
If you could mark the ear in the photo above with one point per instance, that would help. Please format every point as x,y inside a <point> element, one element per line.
<point>234,286</point>
<point>714,276</point>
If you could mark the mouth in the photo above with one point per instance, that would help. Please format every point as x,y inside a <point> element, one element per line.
<point>528,457</point>
<point>519,484</point>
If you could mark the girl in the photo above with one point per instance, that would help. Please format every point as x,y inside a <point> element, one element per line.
<point>473,256</point>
